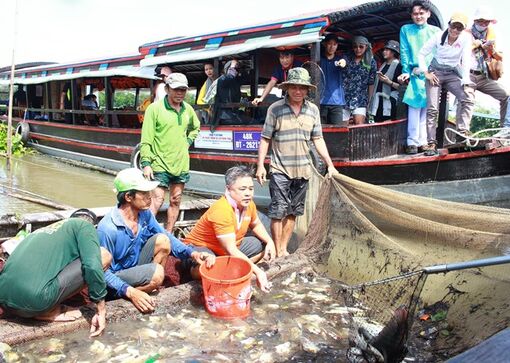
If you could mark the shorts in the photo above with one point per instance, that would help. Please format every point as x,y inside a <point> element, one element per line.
<point>142,273</point>
<point>331,114</point>
<point>166,179</point>
<point>357,111</point>
<point>287,196</point>
<point>250,246</point>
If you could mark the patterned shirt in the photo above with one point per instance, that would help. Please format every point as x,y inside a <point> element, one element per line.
<point>289,135</point>
<point>357,78</point>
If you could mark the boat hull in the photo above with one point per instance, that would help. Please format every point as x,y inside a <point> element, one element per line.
<point>462,176</point>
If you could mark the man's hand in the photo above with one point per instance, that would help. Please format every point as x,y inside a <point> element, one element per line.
<point>261,175</point>
<point>256,101</point>
<point>432,78</point>
<point>141,300</point>
<point>147,172</point>
<point>98,323</point>
<point>262,281</point>
<point>331,171</point>
<point>269,251</point>
<point>203,257</point>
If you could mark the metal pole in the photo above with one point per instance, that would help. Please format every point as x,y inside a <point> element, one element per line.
<point>467,264</point>
<point>11,94</point>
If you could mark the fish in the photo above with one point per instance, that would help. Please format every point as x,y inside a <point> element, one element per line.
<point>283,348</point>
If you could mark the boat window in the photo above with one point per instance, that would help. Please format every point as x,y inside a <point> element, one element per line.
<point>4,99</point>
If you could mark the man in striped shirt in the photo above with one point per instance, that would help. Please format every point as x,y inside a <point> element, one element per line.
<point>289,125</point>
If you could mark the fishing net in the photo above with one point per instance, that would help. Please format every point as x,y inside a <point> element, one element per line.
<point>377,242</point>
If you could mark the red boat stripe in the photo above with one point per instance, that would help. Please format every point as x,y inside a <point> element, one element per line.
<point>122,150</point>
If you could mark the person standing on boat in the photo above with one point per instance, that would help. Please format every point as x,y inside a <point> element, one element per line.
<point>222,229</point>
<point>209,72</point>
<point>449,68</point>
<point>52,264</point>
<point>359,78</point>
<point>383,105</point>
<point>139,246</point>
<point>333,97</point>
<point>159,90</point>
<point>169,128</point>
<point>290,124</point>
<point>287,61</point>
<point>484,49</point>
<point>412,38</point>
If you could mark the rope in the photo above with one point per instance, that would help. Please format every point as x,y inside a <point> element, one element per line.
<point>502,134</point>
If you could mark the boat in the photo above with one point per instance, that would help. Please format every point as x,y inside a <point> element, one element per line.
<point>371,152</point>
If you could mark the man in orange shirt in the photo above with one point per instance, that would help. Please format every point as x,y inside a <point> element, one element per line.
<point>222,229</point>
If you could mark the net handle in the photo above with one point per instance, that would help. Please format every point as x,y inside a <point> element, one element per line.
<point>492,261</point>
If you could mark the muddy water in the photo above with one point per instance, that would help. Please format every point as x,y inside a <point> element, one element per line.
<point>301,320</point>
<point>44,177</point>
<point>47,177</point>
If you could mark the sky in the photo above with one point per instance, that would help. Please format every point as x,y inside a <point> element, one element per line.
<point>74,30</point>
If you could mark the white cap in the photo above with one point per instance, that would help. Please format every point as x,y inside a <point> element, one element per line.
<point>177,80</point>
<point>484,13</point>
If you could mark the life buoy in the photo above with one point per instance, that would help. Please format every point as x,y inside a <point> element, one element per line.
<point>23,129</point>
<point>142,107</point>
<point>135,157</point>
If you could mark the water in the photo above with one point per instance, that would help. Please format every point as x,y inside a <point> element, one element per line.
<point>300,320</point>
<point>42,176</point>
<point>60,182</point>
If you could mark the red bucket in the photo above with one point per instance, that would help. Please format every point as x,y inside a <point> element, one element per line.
<point>227,287</point>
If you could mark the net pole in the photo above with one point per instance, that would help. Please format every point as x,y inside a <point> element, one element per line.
<point>492,261</point>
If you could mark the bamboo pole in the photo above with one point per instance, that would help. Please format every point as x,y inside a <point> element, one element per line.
<point>11,93</point>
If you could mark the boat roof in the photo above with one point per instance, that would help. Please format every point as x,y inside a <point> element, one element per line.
<point>128,66</point>
<point>378,20</point>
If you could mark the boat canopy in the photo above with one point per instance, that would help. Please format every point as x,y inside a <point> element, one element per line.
<point>378,21</point>
<point>128,66</point>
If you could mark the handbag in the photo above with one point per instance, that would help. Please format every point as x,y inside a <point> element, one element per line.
<point>495,69</point>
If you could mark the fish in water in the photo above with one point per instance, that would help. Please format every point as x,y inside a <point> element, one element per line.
<point>391,341</point>
<point>388,346</point>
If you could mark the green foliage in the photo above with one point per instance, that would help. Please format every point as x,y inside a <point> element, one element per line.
<point>17,145</point>
<point>479,122</point>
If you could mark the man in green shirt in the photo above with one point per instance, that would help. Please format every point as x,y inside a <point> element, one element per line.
<point>52,264</point>
<point>169,128</point>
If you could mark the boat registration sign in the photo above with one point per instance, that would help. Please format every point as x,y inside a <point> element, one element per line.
<point>246,140</point>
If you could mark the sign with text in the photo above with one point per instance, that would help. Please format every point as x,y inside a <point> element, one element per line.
<point>246,140</point>
<point>221,140</point>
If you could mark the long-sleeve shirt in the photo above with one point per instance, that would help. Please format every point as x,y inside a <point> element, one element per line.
<point>412,39</point>
<point>29,279</point>
<point>125,247</point>
<point>167,135</point>
<point>457,54</point>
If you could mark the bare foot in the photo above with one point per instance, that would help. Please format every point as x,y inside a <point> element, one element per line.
<point>60,313</point>
<point>282,254</point>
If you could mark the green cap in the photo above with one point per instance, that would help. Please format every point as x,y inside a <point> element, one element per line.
<point>298,76</point>
<point>133,179</point>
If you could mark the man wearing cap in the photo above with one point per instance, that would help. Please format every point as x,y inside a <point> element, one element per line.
<point>383,104</point>
<point>449,68</point>
<point>287,61</point>
<point>138,244</point>
<point>170,126</point>
<point>333,97</point>
<point>159,89</point>
<point>484,50</point>
<point>412,38</point>
<point>52,264</point>
<point>290,124</point>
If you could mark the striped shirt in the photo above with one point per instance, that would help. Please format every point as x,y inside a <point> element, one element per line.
<point>289,135</point>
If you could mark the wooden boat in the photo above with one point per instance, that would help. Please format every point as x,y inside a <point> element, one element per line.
<point>370,152</point>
